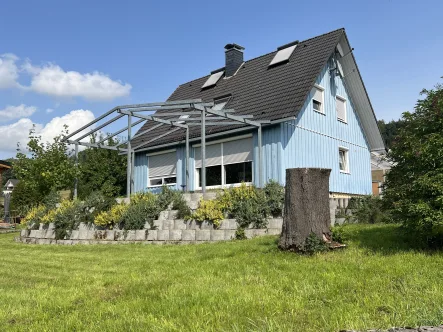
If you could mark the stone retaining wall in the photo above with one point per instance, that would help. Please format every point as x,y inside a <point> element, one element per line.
<point>167,230</point>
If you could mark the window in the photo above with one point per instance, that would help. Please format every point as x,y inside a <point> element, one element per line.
<point>343,160</point>
<point>162,168</point>
<point>213,79</point>
<point>237,173</point>
<point>162,181</point>
<point>220,103</point>
<point>317,99</point>
<point>213,176</point>
<point>283,54</point>
<point>183,117</point>
<point>340,106</point>
<point>227,162</point>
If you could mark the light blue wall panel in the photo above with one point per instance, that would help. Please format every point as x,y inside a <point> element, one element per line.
<point>313,139</point>
<point>140,172</point>
<point>271,154</point>
<point>327,123</point>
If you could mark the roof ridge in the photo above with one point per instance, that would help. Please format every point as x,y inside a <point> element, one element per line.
<point>257,57</point>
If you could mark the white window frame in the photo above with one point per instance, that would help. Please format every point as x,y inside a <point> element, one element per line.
<point>163,177</point>
<point>222,165</point>
<point>322,101</point>
<point>345,102</point>
<point>163,181</point>
<point>346,151</point>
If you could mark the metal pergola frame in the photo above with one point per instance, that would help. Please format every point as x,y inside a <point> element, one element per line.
<point>224,117</point>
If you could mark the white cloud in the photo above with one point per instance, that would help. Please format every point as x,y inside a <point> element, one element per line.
<point>8,71</point>
<point>16,112</point>
<point>52,80</point>
<point>19,131</point>
<point>49,110</point>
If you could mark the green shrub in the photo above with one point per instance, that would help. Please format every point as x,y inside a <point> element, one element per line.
<point>253,210</point>
<point>249,205</point>
<point>24,197</point>
<point>95,204</point>
<point>143,208</point>
<point>66,217</point>
<point>240,234</point>
<point>108,219</point>
<point>166,197</point>
<point>369,210</point>
<point>314,245</point>
<point>51,200</point>
<point>179,204</point>
<point>338,234</point>
<point>34,216</point>
<point>275,197</point>
<point>208,210</point>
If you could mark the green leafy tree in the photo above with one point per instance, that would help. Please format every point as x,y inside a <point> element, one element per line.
<point>44,167</point>
<point>389,130</point>
<point>414,186</point>
<point>102,170</point>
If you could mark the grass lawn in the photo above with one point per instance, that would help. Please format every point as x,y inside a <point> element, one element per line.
<point>377,282</point>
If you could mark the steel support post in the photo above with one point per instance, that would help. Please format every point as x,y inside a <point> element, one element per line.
<point>76,169</point>
<point>260,166</point>
<point>187,160</point>
<point>128,171</point>
<point>203,150</point>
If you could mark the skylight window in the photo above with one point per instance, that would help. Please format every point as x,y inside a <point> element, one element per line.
<point>283,55</point>
<point>213,79</point>
<point>183,117</point>
<point>220,103</point>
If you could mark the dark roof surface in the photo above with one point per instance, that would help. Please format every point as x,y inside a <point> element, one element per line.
<point>5,163</point>
<point>267,93</point>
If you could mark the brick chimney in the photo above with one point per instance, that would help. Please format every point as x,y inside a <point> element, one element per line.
<point>234,58</point>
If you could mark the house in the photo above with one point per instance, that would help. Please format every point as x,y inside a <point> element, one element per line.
<point>10,185</point>
<point>319,114</point>
<point>4,166</point>
<point>380,166</point>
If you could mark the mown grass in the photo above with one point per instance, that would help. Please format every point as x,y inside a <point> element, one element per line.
<point>377,282</point>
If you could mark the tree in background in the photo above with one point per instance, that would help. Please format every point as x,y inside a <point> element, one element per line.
<point>414,186</point>
<point>102,170</point>
<point>8,174</point>
<point>389,130</point>
<point>43,168</point>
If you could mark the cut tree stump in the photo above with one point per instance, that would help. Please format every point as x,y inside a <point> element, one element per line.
<point>306,207</point>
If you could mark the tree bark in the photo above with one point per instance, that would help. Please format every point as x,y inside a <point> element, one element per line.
<point>306,207</point>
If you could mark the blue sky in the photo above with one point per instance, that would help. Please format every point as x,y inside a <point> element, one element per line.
<point>63,56</point>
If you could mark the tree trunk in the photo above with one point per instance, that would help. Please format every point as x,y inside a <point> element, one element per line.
<point>306,207</point>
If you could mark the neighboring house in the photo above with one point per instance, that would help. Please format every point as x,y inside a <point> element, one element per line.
<point>10,185</point>
<point>320,114</point>
<point>4,166</point>
<point>380,166</point>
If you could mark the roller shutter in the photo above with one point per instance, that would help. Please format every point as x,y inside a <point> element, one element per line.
<point>213,155</point>
<point>162,164</point>
<point>237,151</point>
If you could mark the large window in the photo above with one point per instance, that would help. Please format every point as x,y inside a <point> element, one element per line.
<point>227,163</point>
<point>213,176</point>
<point>162,169</point>
<point>237,173</point>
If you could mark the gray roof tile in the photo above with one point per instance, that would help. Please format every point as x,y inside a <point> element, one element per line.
<point>266,93</point>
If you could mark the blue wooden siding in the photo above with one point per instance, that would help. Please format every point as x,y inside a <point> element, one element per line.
<point>140,172</point>
<point>271,155</point>
<point>310,140</point>
<point>313,139</point>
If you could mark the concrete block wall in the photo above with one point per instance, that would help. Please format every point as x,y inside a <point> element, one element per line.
<point>166,231</point>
